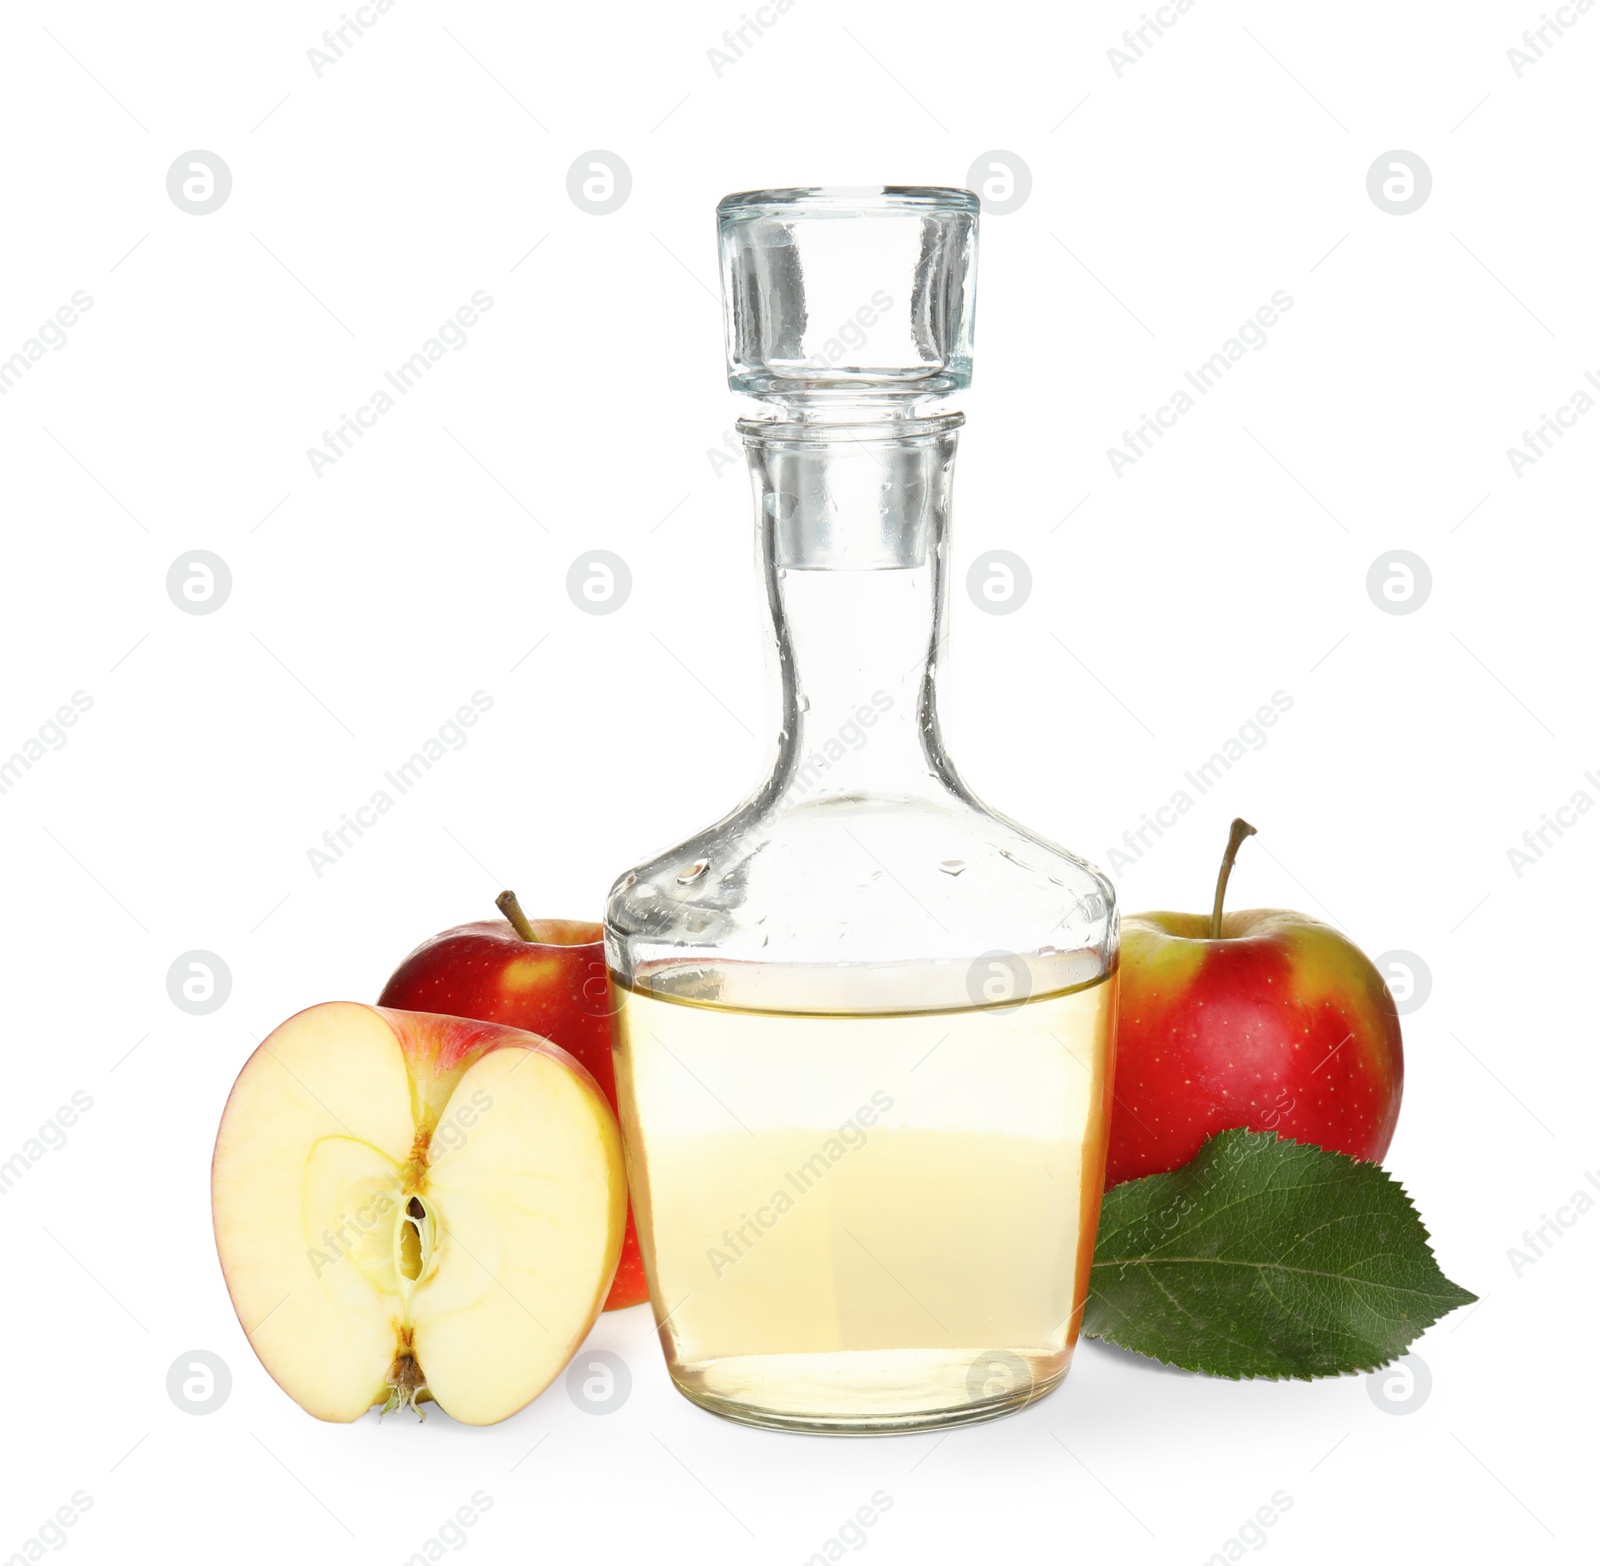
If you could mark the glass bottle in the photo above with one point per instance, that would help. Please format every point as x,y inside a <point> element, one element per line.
<point>863,1023</point>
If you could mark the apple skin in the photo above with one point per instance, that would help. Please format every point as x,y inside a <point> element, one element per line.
<point>1282,1025</point>
<point>555,986</point>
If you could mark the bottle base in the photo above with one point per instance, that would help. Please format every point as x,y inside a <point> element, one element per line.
<point>870,1394</point>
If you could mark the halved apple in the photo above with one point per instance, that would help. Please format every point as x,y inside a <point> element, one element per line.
<point>410,1206</point>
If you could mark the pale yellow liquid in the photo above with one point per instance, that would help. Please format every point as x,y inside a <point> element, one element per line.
<point>865,1223</point>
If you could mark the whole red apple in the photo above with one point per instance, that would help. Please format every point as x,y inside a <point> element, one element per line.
<point>545,976</point>
<point>1265,1019</point>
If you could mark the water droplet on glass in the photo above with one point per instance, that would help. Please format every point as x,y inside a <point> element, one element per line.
<point>1005,853</point>
<point>694,872</point>
<point>628,880</point>
<point>952,866</point>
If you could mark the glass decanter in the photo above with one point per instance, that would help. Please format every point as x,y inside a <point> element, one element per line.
<point>864,1024</point>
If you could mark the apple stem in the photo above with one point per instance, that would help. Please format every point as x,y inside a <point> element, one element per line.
<point>1237,833</point>
<point>507,903</point>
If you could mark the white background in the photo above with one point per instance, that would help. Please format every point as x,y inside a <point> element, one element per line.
<point>1167,204</point>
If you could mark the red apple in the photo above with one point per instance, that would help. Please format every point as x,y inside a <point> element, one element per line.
<point>412,1207</point>
<point>1265,1019</point>
<point>546,976</point>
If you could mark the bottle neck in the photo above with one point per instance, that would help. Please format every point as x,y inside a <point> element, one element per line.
<point>854,521</point>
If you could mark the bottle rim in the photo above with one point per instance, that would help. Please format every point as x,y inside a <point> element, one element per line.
<point>903,431</point>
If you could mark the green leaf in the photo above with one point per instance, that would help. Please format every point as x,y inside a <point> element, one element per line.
<point>1265,1257</point>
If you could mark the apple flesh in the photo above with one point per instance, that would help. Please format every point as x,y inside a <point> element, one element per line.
<point>545,975</point>
<point>414,1207</point>
<point>1265,1019</point>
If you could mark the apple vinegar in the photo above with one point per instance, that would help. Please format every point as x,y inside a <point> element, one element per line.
<point>906,1226</point>
<point>863,1023</point>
